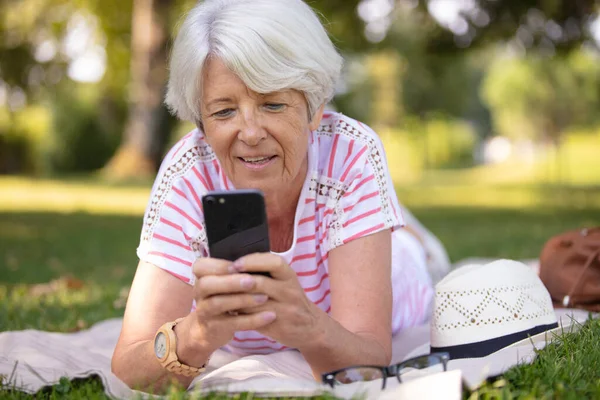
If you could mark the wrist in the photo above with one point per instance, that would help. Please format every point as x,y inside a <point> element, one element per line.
<point>191,349</point>
<point>317,334</point>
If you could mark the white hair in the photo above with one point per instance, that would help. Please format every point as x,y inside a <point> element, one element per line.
<point>271,45</point>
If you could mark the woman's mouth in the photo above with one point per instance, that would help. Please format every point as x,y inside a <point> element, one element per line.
<point>257,162</point>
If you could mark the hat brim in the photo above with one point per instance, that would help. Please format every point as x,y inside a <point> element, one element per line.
<point>476,370</point>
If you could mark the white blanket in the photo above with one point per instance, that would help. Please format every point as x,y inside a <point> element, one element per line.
<point>32,359</point>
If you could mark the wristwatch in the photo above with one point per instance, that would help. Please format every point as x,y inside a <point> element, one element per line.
<point>165,344</point>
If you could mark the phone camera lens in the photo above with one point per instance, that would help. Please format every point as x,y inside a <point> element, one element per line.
<point>210,200</point>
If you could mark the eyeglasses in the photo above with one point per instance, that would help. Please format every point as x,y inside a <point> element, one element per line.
<point>434,362</point>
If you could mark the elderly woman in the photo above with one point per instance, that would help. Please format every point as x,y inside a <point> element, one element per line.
<point>255,77</point>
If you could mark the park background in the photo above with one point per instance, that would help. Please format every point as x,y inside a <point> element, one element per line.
<point>488,110</point>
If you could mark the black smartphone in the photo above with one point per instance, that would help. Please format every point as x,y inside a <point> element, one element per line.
<point>236,223</point>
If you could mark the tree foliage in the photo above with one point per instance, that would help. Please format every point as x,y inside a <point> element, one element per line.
<point>538,98</point>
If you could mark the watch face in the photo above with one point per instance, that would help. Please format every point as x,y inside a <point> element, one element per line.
<point>160,345</point>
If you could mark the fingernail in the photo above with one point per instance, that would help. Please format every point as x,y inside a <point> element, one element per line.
<point>238,265</point>
<point>268,316</point>
<point>247,282</point>
<point>260,298</point>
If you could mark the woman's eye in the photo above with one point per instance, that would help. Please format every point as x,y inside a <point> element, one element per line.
<point>274,106</point>
<point>223,113</point>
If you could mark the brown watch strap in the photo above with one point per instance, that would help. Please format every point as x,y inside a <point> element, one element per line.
<point>181,369</point>
<point>176,366</point>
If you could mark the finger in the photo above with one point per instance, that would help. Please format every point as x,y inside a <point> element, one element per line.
<point>212,285</point>
<point>217,305</point>
<point>264,262</point>
<point>251,322</point>
<point>211,266</point>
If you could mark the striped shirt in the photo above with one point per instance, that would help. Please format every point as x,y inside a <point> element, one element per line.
<point>347,194</point>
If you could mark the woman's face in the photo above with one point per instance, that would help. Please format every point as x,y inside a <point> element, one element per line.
<point>261,140</point>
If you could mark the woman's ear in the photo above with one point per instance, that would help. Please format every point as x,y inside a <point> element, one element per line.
<point>316,118</point>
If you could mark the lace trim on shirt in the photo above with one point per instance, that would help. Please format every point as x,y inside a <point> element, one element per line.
<point>177,169</point>
<point>376,161</point>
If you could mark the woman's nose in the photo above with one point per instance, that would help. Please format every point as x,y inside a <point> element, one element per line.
<point>251,131</point>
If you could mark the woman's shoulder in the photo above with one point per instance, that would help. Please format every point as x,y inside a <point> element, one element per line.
<point>344,145</point>
<point>187,157</point>
<point>337,124</point>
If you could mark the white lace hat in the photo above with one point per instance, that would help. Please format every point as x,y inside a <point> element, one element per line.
<point>489,317</point>
<point>479,309</point>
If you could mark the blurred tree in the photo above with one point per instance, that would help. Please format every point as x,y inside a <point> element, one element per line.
<point>538,98</point>
<point>538,25</point>
<point>149,123</point>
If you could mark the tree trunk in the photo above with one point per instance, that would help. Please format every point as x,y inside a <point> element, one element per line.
<point>149,123</point>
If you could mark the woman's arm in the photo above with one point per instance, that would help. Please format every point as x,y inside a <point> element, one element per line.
<point>359,329</point>
<point>155,297</point>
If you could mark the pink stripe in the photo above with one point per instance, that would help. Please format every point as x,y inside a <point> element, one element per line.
<point>332,155</point>
<point>306,238</point>
<point>236,339</point>
<point>323,298</point>
<point>184,214</point>
<point>207,174</point>
<point>303,257</point>
<point>179,148</point>
<point>173,225</point>
<point>170,257</point>
<point>224,179</point>
<point>216,165</point>
<point>367,197</point>
<point>194,194</point>
<point>328,310</point>
<point>179,192</point>
<point>306,201</point>
<point>350,147</point>
<point>360,153</point>
<point>305,220</point>
<point>322,260</point>
<point>169,240</point>
<point>261,348</point>
<point>183,140</point>
<point>320,206</point>
<point>367,179</point>
<point>308,273</point>
<point>364,233</point>
<point>394,209</point>
<point>318,286</point>
<point>180,277</point>
<point>200,178</point>
<point>361,216</point>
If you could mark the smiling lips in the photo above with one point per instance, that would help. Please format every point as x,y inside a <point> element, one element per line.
<point>257,162</point>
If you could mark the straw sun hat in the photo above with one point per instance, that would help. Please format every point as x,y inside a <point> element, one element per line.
<point>489,317</point>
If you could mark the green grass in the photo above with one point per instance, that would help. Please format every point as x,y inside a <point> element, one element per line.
<point>89,232</point>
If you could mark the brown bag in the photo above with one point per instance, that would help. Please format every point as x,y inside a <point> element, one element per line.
<point>570,269</point>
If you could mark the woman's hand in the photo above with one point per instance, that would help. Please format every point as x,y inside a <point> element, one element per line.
<point>220,291</point>
<point>298,320</point>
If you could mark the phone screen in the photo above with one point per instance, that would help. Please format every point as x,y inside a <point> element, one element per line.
<point>236,223</point>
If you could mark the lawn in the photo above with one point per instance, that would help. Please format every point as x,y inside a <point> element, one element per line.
<point>86,233</point>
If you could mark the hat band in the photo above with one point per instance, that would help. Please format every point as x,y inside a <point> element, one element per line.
<point>487,347</point>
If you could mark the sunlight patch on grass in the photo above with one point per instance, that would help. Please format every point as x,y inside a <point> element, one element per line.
<point>23,194</point>
<point>498,196</point>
